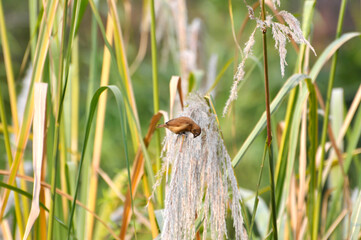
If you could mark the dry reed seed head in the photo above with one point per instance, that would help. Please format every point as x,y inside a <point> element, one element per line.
<point>249,44</point>
<point>251,12</point>
<point>239,76</point>
<point>201,178</point>
<point>280,44</point>
<point>281,34</point>
<point>295,29</point>
<point>234,91</point>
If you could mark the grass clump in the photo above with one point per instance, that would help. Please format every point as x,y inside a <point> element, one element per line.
<point>201,178</point>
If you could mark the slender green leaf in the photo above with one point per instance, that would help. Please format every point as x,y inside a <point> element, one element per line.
<point>20,191</point>
<point>295,113</point>
<point>256,200</point>
<point>120,104</point>
<point>220,74</point>
<point>30,197</point>
<point>284,177</point>
<point>286,88</point>
<point>41,53</point>
<point>148,165</point>
<point>328,52</point>
<point>312,137</point>
<point>352,144</point>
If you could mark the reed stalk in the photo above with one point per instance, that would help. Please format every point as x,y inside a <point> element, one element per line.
<point>331,80</point>
<point>269,133</point>
<point>155,89</point>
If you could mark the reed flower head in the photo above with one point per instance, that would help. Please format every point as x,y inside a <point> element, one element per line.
<point>281,33</point>
<point>201,179</point>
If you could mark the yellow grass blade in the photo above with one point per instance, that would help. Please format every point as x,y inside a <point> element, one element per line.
<point>151,213</point>
<point>122,64</point>
<point>98,137</point>
<point>121,55</point>
<point>5,229</point>
<point>41,53</point>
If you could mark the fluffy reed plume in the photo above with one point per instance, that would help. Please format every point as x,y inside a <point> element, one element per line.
<point>281,33</point>
<point>201,177</point>
<point>238,77</point>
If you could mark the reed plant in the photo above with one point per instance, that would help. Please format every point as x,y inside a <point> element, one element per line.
<point>99,167</point>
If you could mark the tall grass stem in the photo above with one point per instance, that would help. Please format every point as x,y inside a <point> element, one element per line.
<point>269,134</point>
<point>256,200</point>
<point>316,215</point>
<point>9,70</point>
<point>55,157</point>
<point>155,88</point>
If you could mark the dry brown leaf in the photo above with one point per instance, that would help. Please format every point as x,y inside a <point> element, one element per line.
<point>137,173</point>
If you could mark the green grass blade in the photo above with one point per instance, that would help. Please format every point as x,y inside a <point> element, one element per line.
<point>301,96</point>
<point>284,144</point>
<point>122,63</point>
<point>296,113</point>
<point>219,76</point>
<point>80,13</point>
<point>317,210</point>
<point>63,74</point>
<point>312,150</point>
<point>273,194</point>
<point>92,82</point>
<point>5,130</point>
<point>22,192</point>
<point>286,88</point>
<point>60,99</point>
<point>119,99</point>
<point>92,109</point>
<point>352,145</point>
<point>155,89</point>
<point>285,173</point>
<point>30,197</point>
<point>154,59</point>
<point>329,51</point>
<point>9,69</point>
<point>256,200</point>
<point>307,16</point>
<point>133,117</point>
<point>33,23</point>
<point>41,53</point>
